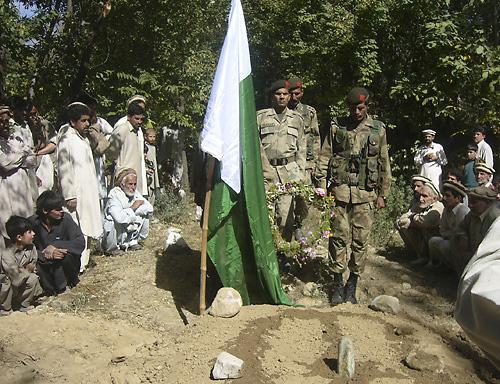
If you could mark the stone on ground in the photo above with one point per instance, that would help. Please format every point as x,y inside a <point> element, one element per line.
<point>345,362</point>
<point>227,303</point>
<point>385,303</point>
<point>310,289</point>
<point>423,361</point>
<point>227,366</point>
<point>174,238</point>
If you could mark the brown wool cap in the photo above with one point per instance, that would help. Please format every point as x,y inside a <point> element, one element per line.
<point>483,193</point>
<point>124,173</point>
<point>358,95</point>
<point>454,186</point>
<point>278,84</point>
<point>295,83</point>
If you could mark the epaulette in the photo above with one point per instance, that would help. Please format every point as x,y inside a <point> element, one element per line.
<point>295,114</point>
<point>265,110</point>
<point>311,109</point>
<point>378,125</point>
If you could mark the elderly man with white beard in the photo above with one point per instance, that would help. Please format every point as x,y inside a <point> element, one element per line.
<point>424,224</point>
<point>126,216</point>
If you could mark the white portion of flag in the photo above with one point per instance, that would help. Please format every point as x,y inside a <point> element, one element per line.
<point>221,129</point>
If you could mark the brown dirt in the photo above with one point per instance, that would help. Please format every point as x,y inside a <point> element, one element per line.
<point>133,320</point>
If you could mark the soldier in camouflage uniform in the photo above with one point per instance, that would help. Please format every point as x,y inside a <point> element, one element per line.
<point>354,166</point>
<point>283,151</point>
<point>311,129</point>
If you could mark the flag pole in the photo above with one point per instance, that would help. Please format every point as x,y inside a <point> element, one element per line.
<point>204,232</point>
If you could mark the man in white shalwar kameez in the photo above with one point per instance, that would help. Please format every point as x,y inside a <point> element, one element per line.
<point>126,217</point>
<point>16,158</point>
<point>478,300</point>
<point>126,146</point>
<point>77,177</point>
<point>430,157</point>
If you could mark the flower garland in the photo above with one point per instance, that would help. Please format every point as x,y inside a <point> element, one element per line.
<point>306,248</point>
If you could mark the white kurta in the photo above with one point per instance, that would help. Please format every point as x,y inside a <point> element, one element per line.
<point>16,197</point>
<point>431,169</point>
<point>485,153</point>
<point>127,148</point>
<point>45,172</point>
<point>99,161</point>
<point>77,179</point>
<point>478,300</point>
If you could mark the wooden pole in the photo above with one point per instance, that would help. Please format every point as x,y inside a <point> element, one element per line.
<point>204,233</point>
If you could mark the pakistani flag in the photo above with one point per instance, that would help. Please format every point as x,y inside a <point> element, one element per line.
<point>240,242</point>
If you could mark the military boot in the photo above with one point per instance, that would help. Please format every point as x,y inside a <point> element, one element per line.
<point>338,290</point>
<point>350,289</point>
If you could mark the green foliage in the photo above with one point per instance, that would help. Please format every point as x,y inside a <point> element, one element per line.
<point>170,208</point>
<point>428,63</point>
<point>397,203</point>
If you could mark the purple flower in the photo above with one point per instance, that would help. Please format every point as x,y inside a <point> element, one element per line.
<point>320,192</point>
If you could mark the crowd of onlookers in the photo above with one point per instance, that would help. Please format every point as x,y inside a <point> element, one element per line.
<point>449,216</point>
<point>61,188</point>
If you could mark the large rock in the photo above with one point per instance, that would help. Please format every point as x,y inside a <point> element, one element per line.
<point>423,361</point>
<point>227,366</point>
<point>227,303</point>
<point>345,362</point>
<point>385,303</point>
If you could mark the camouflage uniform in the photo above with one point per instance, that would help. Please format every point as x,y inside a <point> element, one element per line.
<point>311,130</point>
<point>283,154</point>
<point>354,166</point>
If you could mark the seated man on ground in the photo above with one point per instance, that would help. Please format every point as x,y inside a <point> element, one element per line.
<point>126,216</point>
<point>453,214</point>
<point>417,182</point>
<point>420,226</point>
<point>19,285</point>
<point>471,232</point>
<point>60,242</point>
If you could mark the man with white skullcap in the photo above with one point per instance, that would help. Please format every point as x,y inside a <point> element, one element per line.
<point>430,157</point>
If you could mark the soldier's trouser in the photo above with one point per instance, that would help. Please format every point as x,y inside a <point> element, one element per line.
<point>351,224</point>
<point>284,215</point>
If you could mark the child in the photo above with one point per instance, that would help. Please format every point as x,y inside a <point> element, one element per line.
<point>19,283</point>
<point>469,168</point>
<point>151,164</point>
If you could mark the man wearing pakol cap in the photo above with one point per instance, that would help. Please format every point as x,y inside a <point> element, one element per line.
<point>471,232</point>
<point>311,129</point>
<point>127,146</point>
<point>126,217</point>
<point>424,224</point>
<point>77,177</point>
<point>484,174</point>
<point>430,157</point>
<point>453,214</point>
<point>354,166</point>
<point>16,158</point>
<point>417,183</point>
<point>283,151</point>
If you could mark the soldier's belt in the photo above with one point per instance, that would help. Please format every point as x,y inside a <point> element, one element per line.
<point>282,161</point>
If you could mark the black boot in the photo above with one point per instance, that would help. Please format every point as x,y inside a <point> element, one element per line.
<point>338,290</point>
<point>350,289</point>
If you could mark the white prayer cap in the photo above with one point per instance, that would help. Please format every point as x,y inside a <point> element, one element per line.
<point>77,103</point>
<point>483,167</point>
<point>429,132</point>
<point>136,98</point>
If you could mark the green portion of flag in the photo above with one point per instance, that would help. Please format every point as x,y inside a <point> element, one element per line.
<point>240,242</point>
